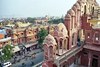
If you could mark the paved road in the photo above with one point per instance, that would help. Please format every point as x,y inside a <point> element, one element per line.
<point>38,58</point>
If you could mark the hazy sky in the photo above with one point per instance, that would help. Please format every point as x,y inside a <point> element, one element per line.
<point>34,8</point>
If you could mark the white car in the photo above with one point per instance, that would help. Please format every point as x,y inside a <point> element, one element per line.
<point>7,64</point>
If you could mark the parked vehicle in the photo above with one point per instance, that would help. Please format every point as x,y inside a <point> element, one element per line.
<point>6,64</point>
<point>0,65</point>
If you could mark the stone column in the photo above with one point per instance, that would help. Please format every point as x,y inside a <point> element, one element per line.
<point>58,46</point>
<point>89,62</point>
<point>75,39</point>
<point>72,24</point>
<point>62,45</point>
<point>78,17</point>
<point>66,44</point>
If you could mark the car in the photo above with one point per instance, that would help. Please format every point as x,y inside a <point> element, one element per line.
<point>7,64</point>
<point>0,64</point>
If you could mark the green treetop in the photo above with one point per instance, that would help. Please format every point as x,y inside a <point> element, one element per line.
<point>41,36</point>
<point>7,53</point>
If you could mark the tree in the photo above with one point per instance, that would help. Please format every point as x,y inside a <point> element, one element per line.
<point>41,36</point>
<point>50,22</point>
<point>7,53</point>
<point>31,20</point>
<point>56,21</point>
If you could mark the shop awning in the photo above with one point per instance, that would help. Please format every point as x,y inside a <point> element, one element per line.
<point>31,44</point>
<point>15,49</point>
<point>5,39</point>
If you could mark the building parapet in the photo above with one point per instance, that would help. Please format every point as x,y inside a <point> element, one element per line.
<point>5,39</point>
<point>68,55</point>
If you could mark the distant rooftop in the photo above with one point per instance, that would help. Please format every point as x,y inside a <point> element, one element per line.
<point>19,24</point>
<point>2,31</point>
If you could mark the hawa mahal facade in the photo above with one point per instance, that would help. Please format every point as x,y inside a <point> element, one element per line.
<point>77,41</point>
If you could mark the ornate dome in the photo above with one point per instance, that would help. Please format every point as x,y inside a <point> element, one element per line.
<point>71,11</point>
<point>77,5</point>
<point>74,8</point>
<point>49,40</point>
<point>63,29</point>
<point>68,16</point>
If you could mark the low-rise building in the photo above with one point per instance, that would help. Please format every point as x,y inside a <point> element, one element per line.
<point>4,39</point>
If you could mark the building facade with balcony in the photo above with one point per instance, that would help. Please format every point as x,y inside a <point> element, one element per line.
<point>4,39</point>
<point>91,49</point>
<point>22,34</point>
<point>25,33</point>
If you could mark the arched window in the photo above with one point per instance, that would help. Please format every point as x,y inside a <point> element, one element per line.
<point>60,44</point>
<point>96,36</point>
<point>88,35</point>
<point>85,9</point>
<point>51,51</point>
<point>73,39</point>
<point>57,44</point>
<point>46,51</point>
<point>65,43</point>
<point>93,10</point>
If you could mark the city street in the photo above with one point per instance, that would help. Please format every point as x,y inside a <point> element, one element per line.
<point>29,61</point>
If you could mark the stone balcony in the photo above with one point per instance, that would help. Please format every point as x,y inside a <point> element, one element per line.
<point>68,54</point>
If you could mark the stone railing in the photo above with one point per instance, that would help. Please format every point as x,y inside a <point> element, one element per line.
<point>68,55</point>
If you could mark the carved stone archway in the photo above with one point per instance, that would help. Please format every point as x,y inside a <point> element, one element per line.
<point>51,53</point>
<point>61,43</point>
<point>74,39</point>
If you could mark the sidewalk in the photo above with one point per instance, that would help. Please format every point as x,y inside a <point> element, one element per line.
<point>28,59</point>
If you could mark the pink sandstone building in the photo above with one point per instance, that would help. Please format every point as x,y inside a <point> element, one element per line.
<point>77,41</point>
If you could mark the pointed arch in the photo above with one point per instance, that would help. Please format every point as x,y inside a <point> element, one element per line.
<point>65,43</point>
<point>61,43</point>
<point>75,17</point>
<point>78,6</point>
<point>51,53</point>
<point>56,46</point>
